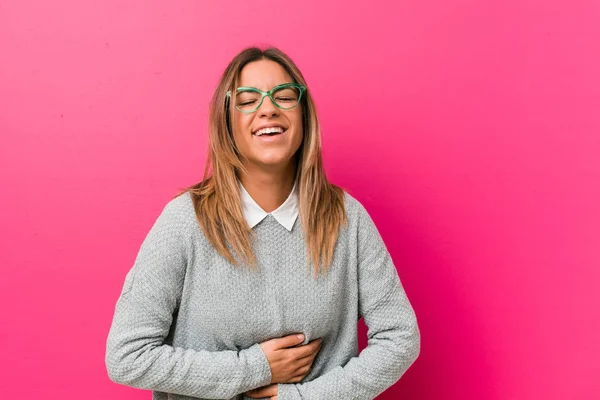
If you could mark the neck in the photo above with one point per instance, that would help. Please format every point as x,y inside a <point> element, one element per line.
<point>269,188</point>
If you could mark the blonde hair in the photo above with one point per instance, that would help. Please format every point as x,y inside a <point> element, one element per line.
<point>216,198</point>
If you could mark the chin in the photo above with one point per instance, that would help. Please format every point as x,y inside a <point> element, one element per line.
<point>273,161</point>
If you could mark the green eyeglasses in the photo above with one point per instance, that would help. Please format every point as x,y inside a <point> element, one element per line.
<point>285,96</point>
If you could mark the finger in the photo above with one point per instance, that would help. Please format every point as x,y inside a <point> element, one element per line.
<point>296,379</point>
<point>262,392</point>
<point>299,374</point>
<point>304,361</point>
<point>254,394</point>
<point>302,371</point>
<point>307,349</point>
<point>309,357</point>
<point>289,341</point>
<point>315,344</point>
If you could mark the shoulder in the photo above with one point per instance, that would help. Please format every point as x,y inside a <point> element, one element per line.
<point>359,219</point>
<point>179,211</point>
<point>181,203</point>
<point>362,226</point>
<point>355,210</point>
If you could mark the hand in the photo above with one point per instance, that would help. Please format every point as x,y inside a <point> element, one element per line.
<point>267,391</point>
<point>290,364</point>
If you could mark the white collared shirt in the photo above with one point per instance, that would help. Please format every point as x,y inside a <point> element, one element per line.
<point>285,214</point>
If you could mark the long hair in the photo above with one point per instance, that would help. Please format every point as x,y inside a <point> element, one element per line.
<point>216,198</point>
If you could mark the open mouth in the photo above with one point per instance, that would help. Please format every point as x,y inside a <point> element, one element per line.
<point>272,131</point>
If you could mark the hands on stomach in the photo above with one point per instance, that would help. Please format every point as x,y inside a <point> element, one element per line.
<point>289,362</point>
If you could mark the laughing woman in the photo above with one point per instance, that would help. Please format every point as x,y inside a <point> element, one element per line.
<point>250,283</point>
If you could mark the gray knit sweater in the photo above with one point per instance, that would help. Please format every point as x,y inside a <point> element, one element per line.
<point>187,323</point>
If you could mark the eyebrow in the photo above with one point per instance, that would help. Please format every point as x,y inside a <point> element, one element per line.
<point>254,87</point>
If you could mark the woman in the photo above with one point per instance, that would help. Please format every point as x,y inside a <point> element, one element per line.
<point>250,283</point>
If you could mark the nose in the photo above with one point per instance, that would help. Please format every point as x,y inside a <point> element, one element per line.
<point>267,108</point>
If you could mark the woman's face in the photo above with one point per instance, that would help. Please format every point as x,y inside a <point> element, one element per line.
<point>267,151</point>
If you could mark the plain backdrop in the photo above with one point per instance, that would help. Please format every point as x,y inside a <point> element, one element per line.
<point>470,130</point>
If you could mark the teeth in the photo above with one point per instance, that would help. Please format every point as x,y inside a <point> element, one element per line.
<point>274,129</point>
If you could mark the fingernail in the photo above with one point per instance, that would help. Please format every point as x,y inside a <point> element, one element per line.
<point>301,337</point>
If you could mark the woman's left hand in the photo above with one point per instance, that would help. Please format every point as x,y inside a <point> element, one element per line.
<point>266,391</point>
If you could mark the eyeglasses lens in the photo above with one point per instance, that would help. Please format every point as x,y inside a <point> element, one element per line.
<point>285,98</point>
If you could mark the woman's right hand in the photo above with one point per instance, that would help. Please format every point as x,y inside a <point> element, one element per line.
<point>290,364</point>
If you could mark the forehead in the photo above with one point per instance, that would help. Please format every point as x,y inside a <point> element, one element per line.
<point>263,75</point>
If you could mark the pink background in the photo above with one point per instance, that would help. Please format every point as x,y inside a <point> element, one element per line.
<point>469,129</point>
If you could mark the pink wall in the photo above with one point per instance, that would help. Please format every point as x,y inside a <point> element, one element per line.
<point>469,129</point>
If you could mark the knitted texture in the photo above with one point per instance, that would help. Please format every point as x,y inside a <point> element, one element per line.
<point>187,323</point>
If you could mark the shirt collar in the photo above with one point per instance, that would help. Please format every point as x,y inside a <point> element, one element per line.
<point>285,214</point>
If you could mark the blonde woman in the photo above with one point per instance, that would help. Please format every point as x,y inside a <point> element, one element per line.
<point>250,283</point>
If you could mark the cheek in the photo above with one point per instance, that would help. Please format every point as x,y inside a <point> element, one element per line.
<point>242,121</point>
<point>241,127</point>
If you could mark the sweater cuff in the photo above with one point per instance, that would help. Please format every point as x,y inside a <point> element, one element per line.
<point>288,391</point>
<point>259,371</point>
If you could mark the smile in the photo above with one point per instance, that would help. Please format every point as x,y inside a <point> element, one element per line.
<point>274,130</point>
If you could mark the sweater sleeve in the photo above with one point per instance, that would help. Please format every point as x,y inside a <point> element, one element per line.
<point>136,352</point>
<point>393,334</point>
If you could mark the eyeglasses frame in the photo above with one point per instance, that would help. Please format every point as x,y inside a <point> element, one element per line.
<point>298,86</point>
